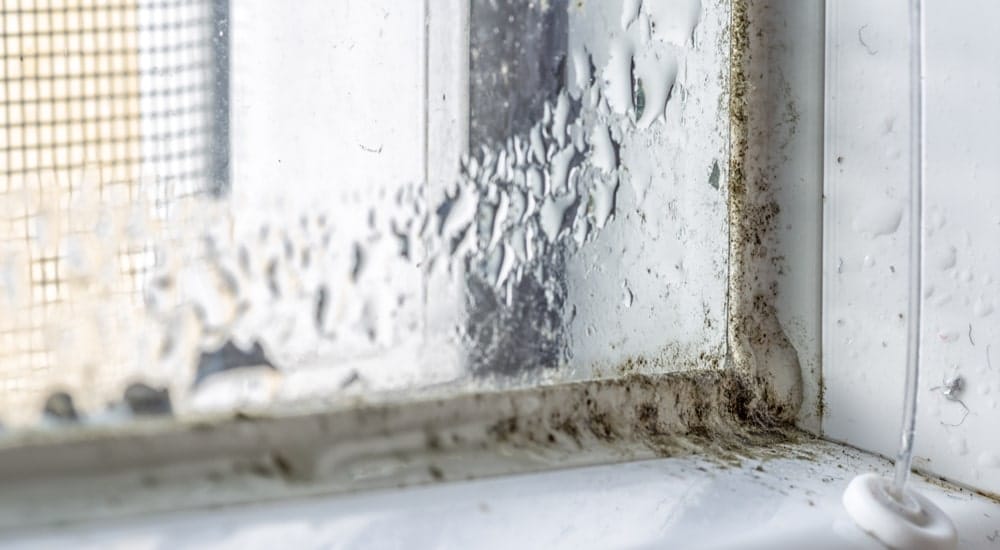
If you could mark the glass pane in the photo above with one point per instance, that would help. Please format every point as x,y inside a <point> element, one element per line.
<point>214,206</point>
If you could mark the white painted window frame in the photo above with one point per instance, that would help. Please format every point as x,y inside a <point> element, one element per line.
<point>161,464</point>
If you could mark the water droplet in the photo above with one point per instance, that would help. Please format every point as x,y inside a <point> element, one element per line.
<point>456,212</point>
<point>559,168</point>
<point>936,219</point>
<point>958,445</point>
<point>506,265</point>
<point>582,71</point>
<point>988,459</point>
<point>945,258</point>
<point>604,154</point>
<point>674,22</point>
<point>658,72</point>
<point>535,182</point>
<point>537,145</point>
<point>878,219</point>
<point>357,261</point>
<point>638,94</point>
<point>604,201</point>
<point>499,220</point>
<point>982,308</point>
<point>557,213</point>
<point>560,118</point>
<point>617,76</point>
<point>630,10</point>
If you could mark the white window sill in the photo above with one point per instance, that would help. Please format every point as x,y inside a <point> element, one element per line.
<point>789,501</point>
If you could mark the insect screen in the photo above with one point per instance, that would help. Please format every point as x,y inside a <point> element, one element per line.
<point>102,102</point>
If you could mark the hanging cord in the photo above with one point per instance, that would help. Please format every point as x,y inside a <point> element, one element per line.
<point>904,458</point>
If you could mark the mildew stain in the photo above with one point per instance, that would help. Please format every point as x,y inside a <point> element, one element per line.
<point>757,343</point>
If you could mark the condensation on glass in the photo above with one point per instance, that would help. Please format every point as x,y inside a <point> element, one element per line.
<point>212,206</point>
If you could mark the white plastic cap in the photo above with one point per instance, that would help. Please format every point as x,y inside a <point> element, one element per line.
<point>917,525</point>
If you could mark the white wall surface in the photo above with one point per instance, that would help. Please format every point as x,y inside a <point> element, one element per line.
<point>867,229</point>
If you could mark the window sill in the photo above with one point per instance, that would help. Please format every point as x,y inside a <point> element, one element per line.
<point>164,466</point>
<point>791,499</point>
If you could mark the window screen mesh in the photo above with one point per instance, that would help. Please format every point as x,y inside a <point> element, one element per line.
<point>102,101</point>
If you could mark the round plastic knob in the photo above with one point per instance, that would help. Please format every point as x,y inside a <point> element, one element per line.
<point>912,522</point>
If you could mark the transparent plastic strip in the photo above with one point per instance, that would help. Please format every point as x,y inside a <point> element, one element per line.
<point>904,457</point>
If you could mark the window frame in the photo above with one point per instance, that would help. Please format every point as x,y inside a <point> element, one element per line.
<point>435,435</point>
